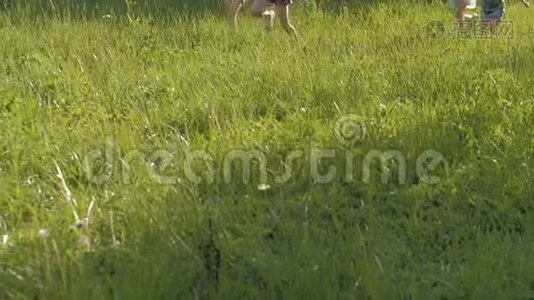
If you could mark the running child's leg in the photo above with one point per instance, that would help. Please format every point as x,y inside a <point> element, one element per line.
<point>492,14</point>
<point>263,8</point>
<point>234,6</point>
<point>268,18</point>
<point>282,10</point>
<point>460,10</point>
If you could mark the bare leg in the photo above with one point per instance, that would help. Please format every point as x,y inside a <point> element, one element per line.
<point>268,18</point>
<point>526,3</point>
<point>494,27</point>
<point>263,9</point>
<point>234,6</point>
<point>460,10</point>
<point>283,12</point>
<point>491,27</point>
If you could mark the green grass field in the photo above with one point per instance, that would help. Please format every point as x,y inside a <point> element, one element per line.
<point>148,125</point>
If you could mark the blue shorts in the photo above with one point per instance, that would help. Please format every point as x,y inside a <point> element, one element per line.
<point>282,2</point>
<point>495,14</point>
<point>492,12</point>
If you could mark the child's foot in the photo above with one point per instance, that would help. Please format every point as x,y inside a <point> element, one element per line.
<point>526,3</point>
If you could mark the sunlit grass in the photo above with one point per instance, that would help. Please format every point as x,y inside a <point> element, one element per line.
<point>84,97</point>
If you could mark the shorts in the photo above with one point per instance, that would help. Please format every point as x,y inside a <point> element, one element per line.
<point>282,2</point>
<point>492,10</point>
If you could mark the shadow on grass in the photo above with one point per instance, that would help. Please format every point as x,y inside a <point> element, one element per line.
<point>94,9</point>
